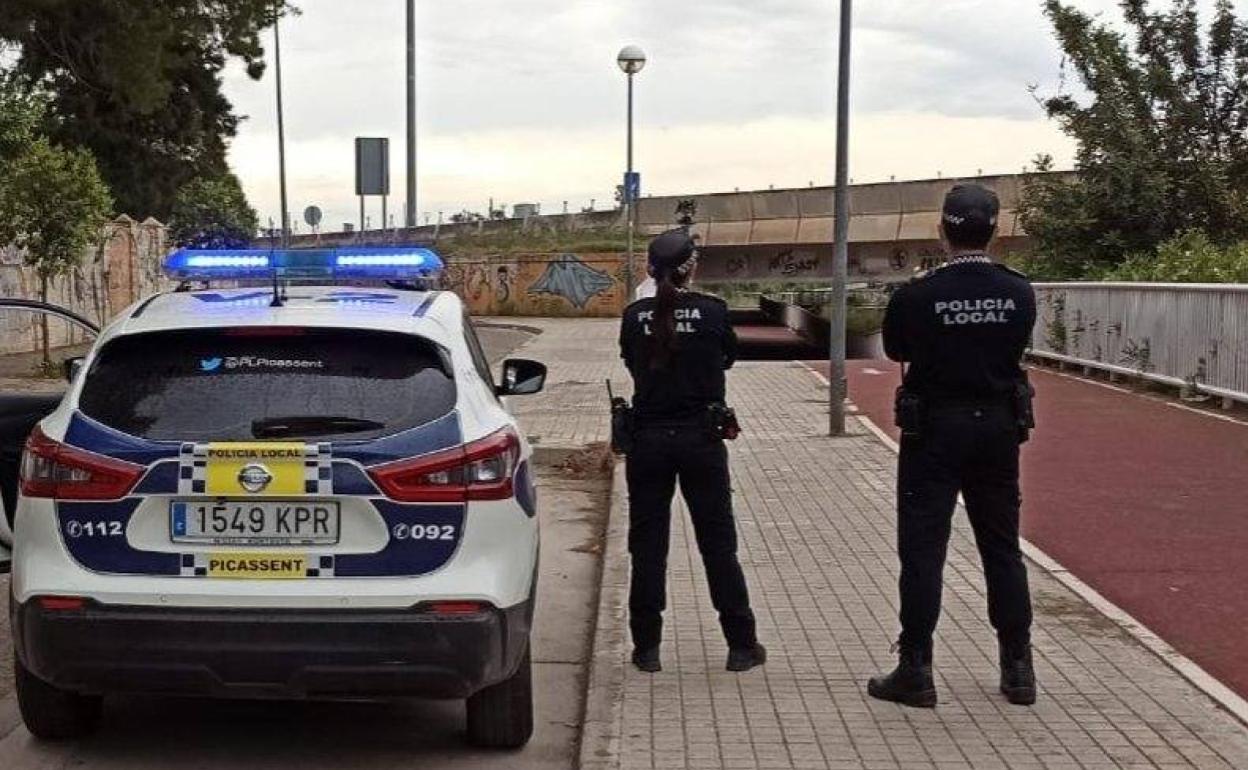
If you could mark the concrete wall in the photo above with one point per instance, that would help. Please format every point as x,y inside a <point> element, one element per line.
<point>125,268</point>
<point>546,285</point>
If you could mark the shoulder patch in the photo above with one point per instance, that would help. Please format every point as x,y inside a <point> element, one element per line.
<point>1011,270</point>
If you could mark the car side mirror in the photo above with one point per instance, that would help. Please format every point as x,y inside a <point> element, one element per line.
<point>522,377</point>
<point>72,368</point>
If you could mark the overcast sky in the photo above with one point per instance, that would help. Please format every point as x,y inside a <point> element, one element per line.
<point>522,101</point>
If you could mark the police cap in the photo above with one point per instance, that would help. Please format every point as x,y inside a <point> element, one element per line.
<point>970,213</point>
<point>672,251</point>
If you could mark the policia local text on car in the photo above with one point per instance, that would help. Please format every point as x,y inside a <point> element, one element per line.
<point>964,409</point>
<point>677,346</point>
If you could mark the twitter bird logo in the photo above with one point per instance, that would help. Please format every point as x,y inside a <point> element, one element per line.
<point>210,364</point>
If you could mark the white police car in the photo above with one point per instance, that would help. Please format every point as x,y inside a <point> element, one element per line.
<point>316,493</point>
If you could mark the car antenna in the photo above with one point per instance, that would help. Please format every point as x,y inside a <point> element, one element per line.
<point>278,299</point>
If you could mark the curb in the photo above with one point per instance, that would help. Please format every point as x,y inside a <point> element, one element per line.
<point>1222,695</point>
<point>600,729</point>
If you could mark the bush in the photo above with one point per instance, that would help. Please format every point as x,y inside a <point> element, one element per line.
<point>1190,257</point>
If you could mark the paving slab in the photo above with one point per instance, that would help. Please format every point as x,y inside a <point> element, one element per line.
<point>817,524</point>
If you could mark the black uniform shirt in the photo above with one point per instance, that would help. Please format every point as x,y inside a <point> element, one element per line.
<point>963,328</point>
<point>693,379</point>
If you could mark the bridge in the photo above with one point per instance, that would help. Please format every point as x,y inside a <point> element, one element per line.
<point>768,236</point>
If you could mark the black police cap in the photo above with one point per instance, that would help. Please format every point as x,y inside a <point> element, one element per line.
<point>971,210</point>
<point>671,250</point>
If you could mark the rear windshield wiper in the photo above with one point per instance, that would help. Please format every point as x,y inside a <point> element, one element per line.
<point>311,425</point>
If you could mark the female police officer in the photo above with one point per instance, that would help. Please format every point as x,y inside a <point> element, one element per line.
<point>677,345</point>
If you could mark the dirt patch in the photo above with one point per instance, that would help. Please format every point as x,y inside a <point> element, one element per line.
<point>594,461</point>
<point>1077,614</point>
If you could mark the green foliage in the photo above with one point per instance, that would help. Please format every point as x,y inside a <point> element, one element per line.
<point>1190,257</point>
<point>54,205</point>
<point>213,213</point>
<point>138,82</point>
<point>1162,137</point>
<point>544,241</point>
<point>21,113</point>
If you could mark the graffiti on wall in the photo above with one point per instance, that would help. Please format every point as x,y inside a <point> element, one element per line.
<point>539,285</point>
<point>572,279</point>
<point>123,268</point>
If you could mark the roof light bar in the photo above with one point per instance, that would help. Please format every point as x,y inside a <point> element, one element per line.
<point>359,263</point>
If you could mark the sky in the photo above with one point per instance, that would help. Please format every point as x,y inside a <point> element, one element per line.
<point>522,102</point>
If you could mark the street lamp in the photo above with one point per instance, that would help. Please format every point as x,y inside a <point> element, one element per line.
<point>631,60</point>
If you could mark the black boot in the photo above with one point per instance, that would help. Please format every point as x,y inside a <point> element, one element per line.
<point>647,660</point>
<point>910,684</point>
<point>746,658</point>
<point>1018,675</point>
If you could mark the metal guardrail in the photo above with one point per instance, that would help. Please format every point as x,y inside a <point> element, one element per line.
<point>1184,335</point>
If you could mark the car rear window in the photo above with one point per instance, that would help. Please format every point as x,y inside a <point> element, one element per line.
<point>238,384</point>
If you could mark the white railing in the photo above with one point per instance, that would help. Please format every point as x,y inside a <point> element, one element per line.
<point>1193,335</point>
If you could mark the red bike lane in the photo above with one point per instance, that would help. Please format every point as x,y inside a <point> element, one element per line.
<point>1142,500</point>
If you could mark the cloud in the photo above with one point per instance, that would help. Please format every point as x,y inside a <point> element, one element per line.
<point>548,166</point>
<point>524,101</point>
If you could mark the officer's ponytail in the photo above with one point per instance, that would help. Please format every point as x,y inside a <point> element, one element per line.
<point>664,325</point>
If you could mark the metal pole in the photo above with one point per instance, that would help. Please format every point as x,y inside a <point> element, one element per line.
<point>281,132</point>
<point>410,213</point>
<point>840,264</point>
<point>629,203</point>
<point>361,238</point>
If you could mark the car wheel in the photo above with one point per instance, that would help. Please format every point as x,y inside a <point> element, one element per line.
<point>501,717</point>
<point>51,713</point>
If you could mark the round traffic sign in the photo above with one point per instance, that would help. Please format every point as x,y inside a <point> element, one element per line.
<point>312,215</point>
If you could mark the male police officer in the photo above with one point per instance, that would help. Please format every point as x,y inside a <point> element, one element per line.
<point>964,409</point>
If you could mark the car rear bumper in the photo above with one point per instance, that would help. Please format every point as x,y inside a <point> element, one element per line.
<point>266,653</point>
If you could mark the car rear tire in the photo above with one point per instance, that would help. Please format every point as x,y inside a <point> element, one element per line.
<point>51,713</point>
<point>501,717</point>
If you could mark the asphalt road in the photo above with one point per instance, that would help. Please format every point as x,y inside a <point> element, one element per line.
<point>161,732</point>
<point>1138,497</point>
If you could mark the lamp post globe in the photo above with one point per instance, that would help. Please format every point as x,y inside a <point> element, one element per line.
<point>631,59</point>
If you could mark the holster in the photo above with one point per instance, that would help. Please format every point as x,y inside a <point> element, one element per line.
<point>1024,410</point>
<point>722,422</point>
<point>622,429</point>
<point>908,410</point>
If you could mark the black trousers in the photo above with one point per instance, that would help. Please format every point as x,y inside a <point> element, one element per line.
<point>972,450</point>
<point>659,459</point>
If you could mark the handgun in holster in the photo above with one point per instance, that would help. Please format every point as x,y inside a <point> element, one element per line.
<point>724,424</point>
<point>908,412</point>
<point>621,423</point>
<point>1024,409</point>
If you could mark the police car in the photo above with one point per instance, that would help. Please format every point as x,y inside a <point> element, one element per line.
<point>300,491</point>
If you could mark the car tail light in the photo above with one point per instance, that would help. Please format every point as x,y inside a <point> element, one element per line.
<point>62,603</point>
<point>52,469</point>
<point>456,608</point>
<point>482,470</point>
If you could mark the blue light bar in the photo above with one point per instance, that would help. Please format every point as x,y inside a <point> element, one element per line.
<point>357,263</point>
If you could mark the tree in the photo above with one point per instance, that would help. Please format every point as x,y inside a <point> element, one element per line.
<point>138,82</point>
<point>213,213</point>
<point>1162,136</point>
<point>54,205</point>
<point>21,113</point>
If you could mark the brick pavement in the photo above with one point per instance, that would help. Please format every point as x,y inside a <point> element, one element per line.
<point>817,534</point>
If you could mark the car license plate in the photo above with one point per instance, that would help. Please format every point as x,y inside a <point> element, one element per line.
<point>269,522</point>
